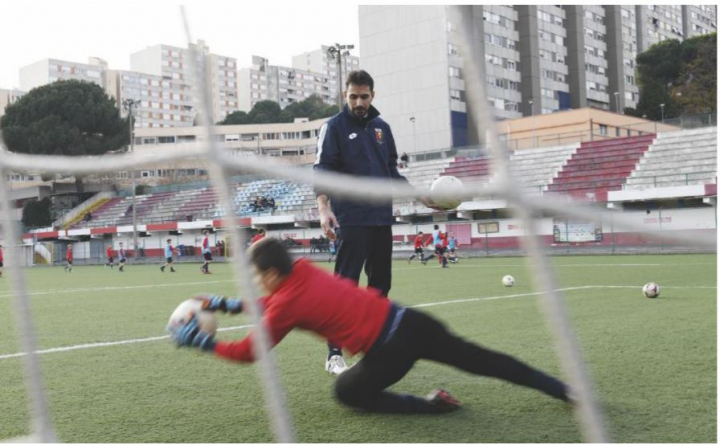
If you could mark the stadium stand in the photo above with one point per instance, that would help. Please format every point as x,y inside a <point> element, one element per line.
<point>536,168</point>
<point>600,166</point>
<point>678,158</point>
<point>421,174</point>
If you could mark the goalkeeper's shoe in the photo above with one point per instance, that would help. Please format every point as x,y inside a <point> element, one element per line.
<point>443,401</point>
<point>336,365</point>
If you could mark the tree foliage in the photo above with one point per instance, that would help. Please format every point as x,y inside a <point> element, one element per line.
<point>681,75</point>
<point>269,112</point>
<point>37,213</point>
<point>67,117</point>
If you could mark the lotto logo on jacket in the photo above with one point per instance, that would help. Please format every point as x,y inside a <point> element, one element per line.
<point>379,135</point>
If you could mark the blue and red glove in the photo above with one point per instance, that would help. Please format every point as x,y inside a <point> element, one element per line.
<point>190,334</point>
<point>220,303</point>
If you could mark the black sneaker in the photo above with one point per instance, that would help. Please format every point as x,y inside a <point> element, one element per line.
<point>443,401</point>
<point>162,268</point>
<point>172,270</point>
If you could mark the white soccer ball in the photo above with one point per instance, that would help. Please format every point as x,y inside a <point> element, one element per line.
<point>508,281</point>
<point>447,184</point>
<point>206,319</point>
<point>651,290</point>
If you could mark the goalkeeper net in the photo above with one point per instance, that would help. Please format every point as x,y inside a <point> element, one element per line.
<point>223,165</point>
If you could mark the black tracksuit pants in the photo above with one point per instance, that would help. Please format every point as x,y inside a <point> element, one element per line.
<point>369,247</point>
<point>420,336</point>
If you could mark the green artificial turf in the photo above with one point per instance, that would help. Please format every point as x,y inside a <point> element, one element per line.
<point>653,362</point>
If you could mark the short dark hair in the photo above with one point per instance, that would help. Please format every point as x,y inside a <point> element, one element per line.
<point>420,232</point>
<point>168,240</point>
<point>359,78</point>
<point>436,227</point>
<point>261,231</point>
<point>269,253</point>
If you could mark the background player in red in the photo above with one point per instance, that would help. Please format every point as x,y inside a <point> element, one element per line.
<point>68,258</point>
<point>109,253</point>
<point>391,337</point>
<point>258,236</point>
<point>207,256</point>
<point>419,248</point>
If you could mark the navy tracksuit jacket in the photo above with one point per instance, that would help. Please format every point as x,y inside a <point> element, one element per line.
<point>360,147</point>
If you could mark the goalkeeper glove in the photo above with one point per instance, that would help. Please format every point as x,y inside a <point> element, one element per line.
<point>220,303</point>
<point>190,335</point>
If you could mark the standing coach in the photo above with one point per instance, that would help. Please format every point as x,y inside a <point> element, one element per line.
<point>358,142</point>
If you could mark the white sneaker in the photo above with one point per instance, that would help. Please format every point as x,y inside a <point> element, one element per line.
<point>336,365</point>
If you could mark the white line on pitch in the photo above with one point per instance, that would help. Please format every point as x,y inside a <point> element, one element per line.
<point>95,289</point>
<point>438,303</point>
<point>107,343</point>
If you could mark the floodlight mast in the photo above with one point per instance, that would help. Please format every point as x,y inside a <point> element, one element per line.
<point>129,105</point>
<point>337,52</point>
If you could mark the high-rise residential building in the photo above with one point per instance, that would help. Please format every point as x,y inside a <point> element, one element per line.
<point>283,85</point>
<point>160,81</point>
<point>47,71</point>
<point>319,61</point>
<point>698,20</point>
<point>173,64</point>
<point>8,97</point>
<point>159,101</point>
<point>537,60</point>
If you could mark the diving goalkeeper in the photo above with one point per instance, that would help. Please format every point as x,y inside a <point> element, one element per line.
<point>391,337</point>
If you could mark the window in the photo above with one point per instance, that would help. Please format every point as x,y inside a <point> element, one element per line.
<point>603,130</point>
<point>488,227</point>
<point>166,139</point>
<point>452,49</point>
<point>454,72</point>
<point>457,95</point>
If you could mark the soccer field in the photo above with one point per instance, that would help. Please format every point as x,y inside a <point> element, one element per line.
<point>114,377</point>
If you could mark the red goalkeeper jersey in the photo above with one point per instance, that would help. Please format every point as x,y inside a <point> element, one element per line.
<point>317,301</point>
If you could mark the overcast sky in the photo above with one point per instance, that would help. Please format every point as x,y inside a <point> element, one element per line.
<point>73,30</point>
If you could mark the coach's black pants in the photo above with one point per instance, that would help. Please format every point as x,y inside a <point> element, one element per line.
<point>420,336</point>
<point>370,247</point>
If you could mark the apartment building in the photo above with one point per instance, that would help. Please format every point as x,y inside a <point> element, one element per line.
<point>319,61</point>
<point>160,81</point>
<point>8,97</point>
<point>47,71</point>
<point>282,84</point>
<point>173,65</point>
<point>537,60</point>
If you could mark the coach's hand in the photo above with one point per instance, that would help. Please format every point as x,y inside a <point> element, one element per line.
<point>328,223</point>
<point>428,202</point>
<point>190,334</point>
<point>220,303</point>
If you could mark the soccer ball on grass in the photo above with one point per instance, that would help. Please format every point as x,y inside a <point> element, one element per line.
<point>182,315</point>
<point>508,281</point>
<point>651,290</point>
<point>451,185</point>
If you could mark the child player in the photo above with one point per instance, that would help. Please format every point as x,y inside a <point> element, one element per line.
<point>452,249</point>
<point>122,258</point>
<point>332,247</point>
<point>68,258</point>
<point>391,337</point>
<point>207,256</point>
<point>109,253</point>
<point>169,249</point>
<point>419,250</point>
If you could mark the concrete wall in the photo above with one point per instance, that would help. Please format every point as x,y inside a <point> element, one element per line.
<point>405,49</point>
